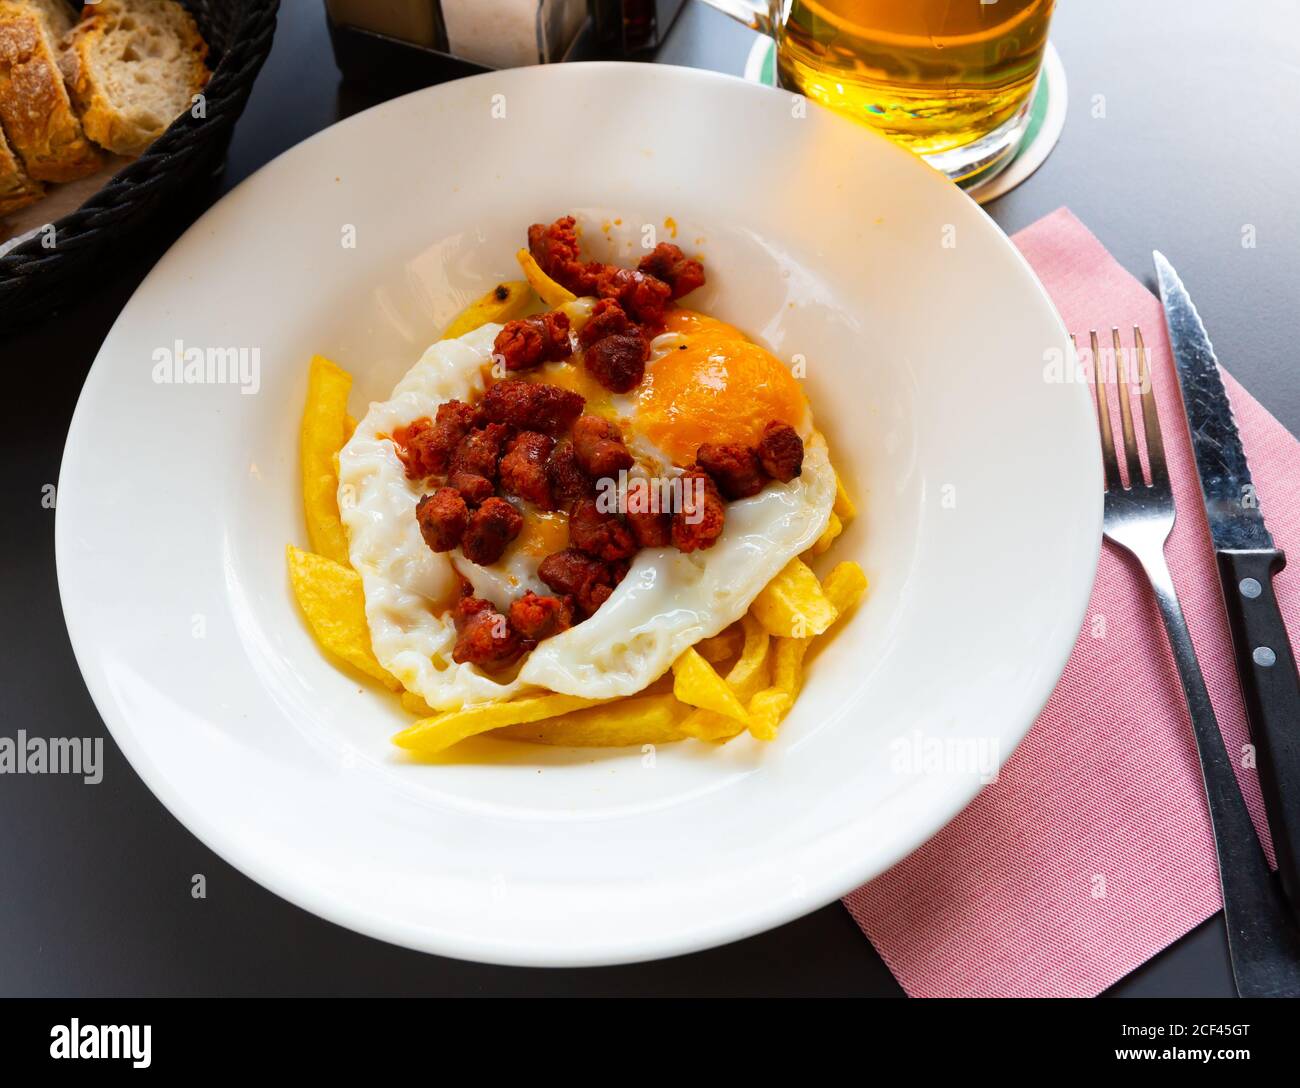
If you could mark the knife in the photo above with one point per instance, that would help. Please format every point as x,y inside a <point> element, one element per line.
<point>1247,562</point>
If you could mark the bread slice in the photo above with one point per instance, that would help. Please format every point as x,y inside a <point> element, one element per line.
<point>57,15</point>
<point>17,190</point>
<point>134,66</point>
<point>35,109</point>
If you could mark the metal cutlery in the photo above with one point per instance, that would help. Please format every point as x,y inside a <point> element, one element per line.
<point>1247,561</point>
<point>1139,515</point>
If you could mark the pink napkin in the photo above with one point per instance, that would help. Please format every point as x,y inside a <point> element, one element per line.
<point>1092,851</point>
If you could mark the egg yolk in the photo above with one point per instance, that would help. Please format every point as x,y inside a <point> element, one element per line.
<point>713,386</point>
<point>543,532</point>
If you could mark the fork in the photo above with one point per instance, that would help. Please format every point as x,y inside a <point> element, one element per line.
<point>1139,516</point>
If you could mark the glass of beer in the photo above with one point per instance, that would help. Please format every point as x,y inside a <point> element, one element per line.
<point>950,79</point>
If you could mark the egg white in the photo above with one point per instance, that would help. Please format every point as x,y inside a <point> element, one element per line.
<point>668,601</point>
<point>407,585</point>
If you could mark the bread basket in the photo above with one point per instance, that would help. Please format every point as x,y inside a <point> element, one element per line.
<point>239,34</point>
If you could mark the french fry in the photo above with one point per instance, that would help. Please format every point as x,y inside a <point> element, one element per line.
<point>697,684</point>
<point>709,725</point>
<point>652,717</point>
<point>331,598</point>
<point>415,704</point>
<point>504,302</point>
<point>766,709</point>
<point>434,734</point>
<point>547,289</point>
<point>845,585</point>
<point>843,588</point>
<point>324,430</point>
<point>747,676</point>
<point>769,706</point>
<point>787,664</point>
<point>833,529</point>
<point>637,720</point>
<point>843,507</point>
<point>721,646</point>
<point>793,605</point>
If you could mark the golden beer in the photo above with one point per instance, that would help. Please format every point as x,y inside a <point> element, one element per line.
<point>935,75</point>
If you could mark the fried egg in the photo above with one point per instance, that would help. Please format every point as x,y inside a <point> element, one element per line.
<point>705,382</point>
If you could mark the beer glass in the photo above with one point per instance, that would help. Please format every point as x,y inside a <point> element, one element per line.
<point>950,79</point>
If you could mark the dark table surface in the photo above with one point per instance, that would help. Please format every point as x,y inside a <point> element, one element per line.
<point>1178,137</point>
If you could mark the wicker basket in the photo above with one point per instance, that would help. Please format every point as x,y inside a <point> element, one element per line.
<point>238,33</point>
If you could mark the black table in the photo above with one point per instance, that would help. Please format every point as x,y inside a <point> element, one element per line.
<point>1178,137</point>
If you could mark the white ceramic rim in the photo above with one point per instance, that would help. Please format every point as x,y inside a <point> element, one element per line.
<point>859,854</point>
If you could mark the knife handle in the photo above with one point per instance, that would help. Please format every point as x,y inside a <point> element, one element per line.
<point>1270,689</point>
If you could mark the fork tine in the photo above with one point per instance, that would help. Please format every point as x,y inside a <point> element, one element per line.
<point>1150,417</point>
<point>1109,465</point>
<point>1126,414</point>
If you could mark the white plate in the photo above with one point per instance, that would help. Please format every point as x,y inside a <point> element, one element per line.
<point>925,336</point>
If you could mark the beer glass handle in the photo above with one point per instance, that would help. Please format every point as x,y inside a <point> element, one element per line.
<point>753,13</point>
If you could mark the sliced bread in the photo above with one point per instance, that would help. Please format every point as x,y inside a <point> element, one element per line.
<point>57,15</point>
<point>35,109</point>
<point>17,190</point>
<point>134,66</point>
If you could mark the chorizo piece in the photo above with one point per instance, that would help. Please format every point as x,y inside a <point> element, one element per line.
<point>555,249</point>
<point>486,639</point>
<point>536,617</point>
<point>607,318</point>
<point>555,245</point>
<point>643,297</point>
<point>407,441</point>
<point>532,406</point>
<point>479,451</point>
<point>618,361</point>
<point>523,469</point>
<point>652,530</point>
<point>598,447</point>
<point>600,534</point>
<point>575,574</point>
<point>733,467</point>
<point>442,517</point>
<point>568,481</point>
<point>469,604</point>
<point>471,487</point>
<point>473,467</point>
<point>668,263</point>
<point>699,522</point>
<point>425,446</point>
<point>781,451</point>
<point>530,341</point>
<point>491,527</point>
